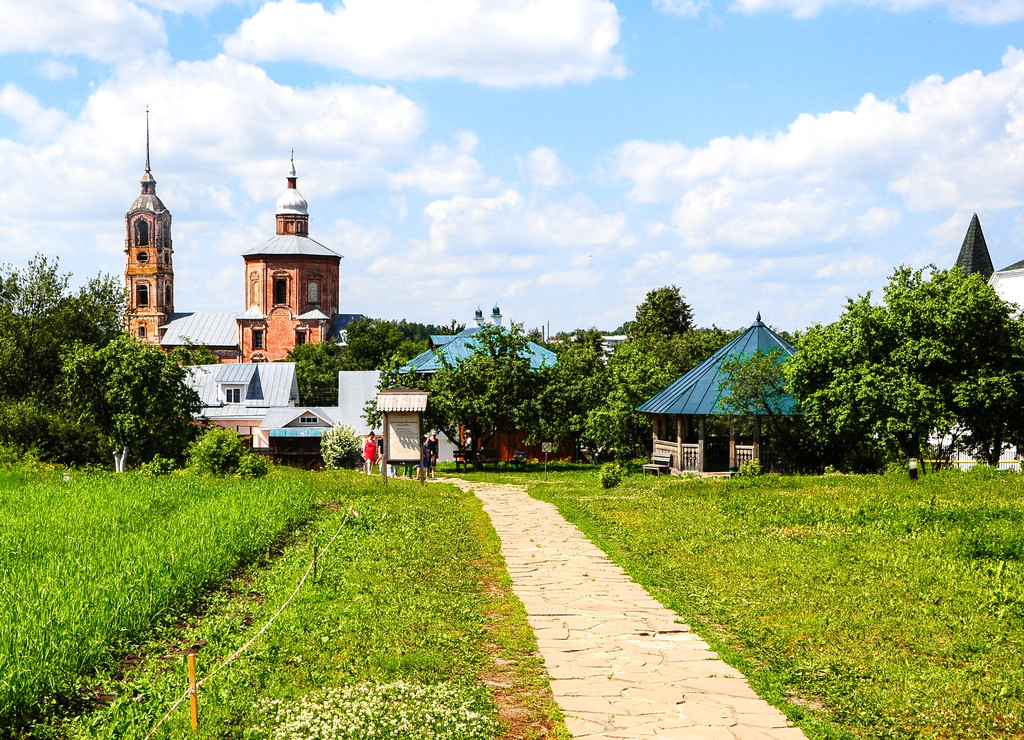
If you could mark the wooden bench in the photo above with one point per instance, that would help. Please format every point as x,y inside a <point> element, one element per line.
<point>475,458</point>
<point>518,459</point>
<point>660,461</point>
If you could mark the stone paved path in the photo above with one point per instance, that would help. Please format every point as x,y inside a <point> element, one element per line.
<point>620,665</point>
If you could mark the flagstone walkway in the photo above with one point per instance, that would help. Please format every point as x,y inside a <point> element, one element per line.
<point>621,666</point>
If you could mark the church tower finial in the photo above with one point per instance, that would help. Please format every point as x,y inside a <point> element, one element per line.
<point>147,138</point>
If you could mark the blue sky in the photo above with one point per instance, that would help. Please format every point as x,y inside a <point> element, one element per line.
<point>559,158</point>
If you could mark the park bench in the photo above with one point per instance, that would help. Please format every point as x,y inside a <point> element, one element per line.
<point>660,461</point>
<point>475,458</point>
<point>518,459</point>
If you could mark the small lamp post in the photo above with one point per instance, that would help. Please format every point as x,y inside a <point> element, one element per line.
<point>912,468</point>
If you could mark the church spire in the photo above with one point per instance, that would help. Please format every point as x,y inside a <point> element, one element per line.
<point>148,181</point>
<point>974,256</point>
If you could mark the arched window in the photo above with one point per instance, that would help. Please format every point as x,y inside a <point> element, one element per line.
<point>142,293</point>
<point>167,295</point>
<point>142,331</point>
<point>141,233</point>
<point>280,290</point>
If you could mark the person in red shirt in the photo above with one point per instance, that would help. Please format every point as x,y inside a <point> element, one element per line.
<point>369,453</point>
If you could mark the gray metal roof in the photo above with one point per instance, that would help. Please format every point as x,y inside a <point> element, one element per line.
<point>148,202</point>
<point>280,418</point>
<point>291,244</point>
<point>270,385</point>
<point>251,313</point>
<point>696,393</point>
<point>208,328</point>
<point>974,256</point>
<point>355,388</point>
<point>340,322</point>
<point>313,315</point>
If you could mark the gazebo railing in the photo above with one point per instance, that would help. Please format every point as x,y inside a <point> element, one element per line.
<point>684,456</point>
<point>744,454</point>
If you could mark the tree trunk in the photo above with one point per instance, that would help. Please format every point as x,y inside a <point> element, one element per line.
<point>120,459</point>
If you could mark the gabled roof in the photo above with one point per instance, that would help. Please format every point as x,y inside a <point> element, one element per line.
<point>207,328</point>
<point>696,392</point>
<point>291,244</point>
<point>460,346</point>
<point>280,418</point>
<point>251,313</point>
<point>402,399</point>
<point>974,256</point>
<point>267,385</point>
<point>314,314</point>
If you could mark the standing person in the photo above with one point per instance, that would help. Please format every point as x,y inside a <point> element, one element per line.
<point>424,460</point>
<point>369,453</point>
<point>432,450</point>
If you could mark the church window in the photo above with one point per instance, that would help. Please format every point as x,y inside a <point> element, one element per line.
<point>141,233</point>
<point>167,295</point>
<point>143,256</point>
<point>142,331</point>
<point>313,291</point>
<point>142,294</point>
<point>257,339</point>
<point>300,336</point>
<point>281,290</point>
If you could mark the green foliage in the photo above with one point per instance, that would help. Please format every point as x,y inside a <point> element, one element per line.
<point>863,606</point>
<point>157,466</point>
<point>941,355</point>
<point>341,447</point>
<point>252,466</point>
<point>217,452</point>
<point>198,355</point>
<point>316,372</point>
<point>754,384</point>
<point>52,432</point>
<point>663,314</point>
<point>750,469</point>
<point>91,562</point>
<point>610,475</point>
<point>134,394</point>
<point>373,343</point>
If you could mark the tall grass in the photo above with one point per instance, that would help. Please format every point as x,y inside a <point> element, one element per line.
<point>87,562</point>
<point>866,606</point>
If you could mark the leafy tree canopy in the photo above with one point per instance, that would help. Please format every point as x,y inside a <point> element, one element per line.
<point>664,313</point>
<point>942,354</point>
<point>135,395</point>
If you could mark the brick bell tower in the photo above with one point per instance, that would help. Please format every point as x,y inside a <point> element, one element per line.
<point>149,272</point>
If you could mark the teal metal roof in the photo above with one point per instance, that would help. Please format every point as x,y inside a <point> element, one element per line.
<point>462,345</point>
<point>696,392</point>
<point>294,432</point>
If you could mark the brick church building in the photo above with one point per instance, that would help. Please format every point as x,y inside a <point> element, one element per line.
<point>291,285</point>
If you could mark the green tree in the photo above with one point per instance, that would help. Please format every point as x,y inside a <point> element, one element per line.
<point>340,447</point>
<point>941,355</point>
<point>579,383</point>
<point>194,355</point>
<point>373,342</point>
<point>664,313</point>
<point>316,371</point>
<point>135,395</point>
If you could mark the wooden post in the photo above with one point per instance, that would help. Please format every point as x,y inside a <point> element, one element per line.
<point>314,562</point>
<point>732,443</point>
<point>756,453</point>
<point>679,442</point>
<point>193,697</point>
<point>701,444</point>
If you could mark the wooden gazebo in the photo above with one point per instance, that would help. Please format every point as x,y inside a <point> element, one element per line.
<point>690,424</point>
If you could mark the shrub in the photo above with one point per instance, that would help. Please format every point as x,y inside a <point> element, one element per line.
<point>157,466</point>
<point>611,475</point>
<point>217,452</point>
<point>252,466</point>
<point>751,469</point>
<point>340,448</point>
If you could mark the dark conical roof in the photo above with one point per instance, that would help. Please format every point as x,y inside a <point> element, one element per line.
<point>974,255</point>
<point>697,392</point>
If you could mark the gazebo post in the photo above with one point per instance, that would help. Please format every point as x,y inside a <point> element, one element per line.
<point>732,443</point>
<point>756,455</point>
<point>655,421</point>
<point>679,442</point>
<point>701,451</point>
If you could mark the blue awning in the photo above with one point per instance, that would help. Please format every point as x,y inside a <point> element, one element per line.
<point>315,432</point>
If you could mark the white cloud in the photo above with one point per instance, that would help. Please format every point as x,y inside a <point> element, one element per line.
<point>542,169</point>
<point>945,145</point>
<point>685,8</point>
<point>51,69</point>
<point>969,11</point>
<point>106,30</point>
<point>501,43</point>
<point>443,170</point>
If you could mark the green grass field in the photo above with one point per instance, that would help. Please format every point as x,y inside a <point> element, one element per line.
<point>864,606</point>
<point>413,590</point>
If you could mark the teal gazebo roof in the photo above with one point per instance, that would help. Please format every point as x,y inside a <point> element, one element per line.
<point>458,347</point>
<point>696,393</point>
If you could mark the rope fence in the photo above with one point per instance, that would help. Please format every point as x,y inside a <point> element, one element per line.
<point>192,692</point>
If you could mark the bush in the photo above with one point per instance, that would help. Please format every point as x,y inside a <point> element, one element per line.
<point>252,466</point>
<point>157,466</point>
<point>340,448</point>
<point>611,475</point>
<point>218,452</point>
<point>751,469</point>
